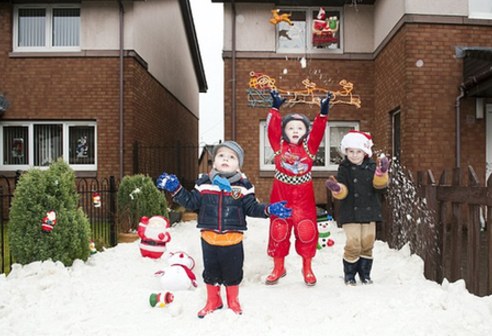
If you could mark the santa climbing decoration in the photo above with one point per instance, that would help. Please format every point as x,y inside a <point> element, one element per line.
<point>48,222</point>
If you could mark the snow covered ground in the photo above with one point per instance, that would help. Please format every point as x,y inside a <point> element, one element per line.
<point>109,295</point>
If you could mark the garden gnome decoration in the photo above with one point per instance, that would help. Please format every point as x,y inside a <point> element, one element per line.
<point>154,236</point>
<point>179,274</point>
<point>49,222</point>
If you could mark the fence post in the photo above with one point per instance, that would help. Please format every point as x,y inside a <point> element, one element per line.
<point>112,211</point>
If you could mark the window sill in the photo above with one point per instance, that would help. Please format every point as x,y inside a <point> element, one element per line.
<point>315,174</point>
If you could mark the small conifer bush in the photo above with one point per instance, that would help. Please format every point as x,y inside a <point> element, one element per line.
<point>37,193</point>
<point>138,196</point>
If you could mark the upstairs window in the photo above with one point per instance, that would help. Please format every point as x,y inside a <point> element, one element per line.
<point>480,9</point>
<point>310,30</point>
<point>46,28</point>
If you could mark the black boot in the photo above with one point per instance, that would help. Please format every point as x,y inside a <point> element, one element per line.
<point>349,270</point>
<point>365,266</point>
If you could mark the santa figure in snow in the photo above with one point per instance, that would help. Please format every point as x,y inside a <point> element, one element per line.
<point>154,236</point>
<point>179,274</point>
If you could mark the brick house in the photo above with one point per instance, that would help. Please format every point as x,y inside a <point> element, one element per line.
<point>87,80</point>
<point>415,66</point>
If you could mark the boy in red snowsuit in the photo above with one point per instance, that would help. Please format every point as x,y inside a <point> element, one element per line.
<point>295,147</point>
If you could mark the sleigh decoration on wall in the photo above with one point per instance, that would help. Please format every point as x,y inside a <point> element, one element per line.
<point>261,84</point>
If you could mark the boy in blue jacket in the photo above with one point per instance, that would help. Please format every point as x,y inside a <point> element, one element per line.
<point>223,198</point>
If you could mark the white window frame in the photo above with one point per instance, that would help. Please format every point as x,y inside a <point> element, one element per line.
<point>309,32</point>
<point>325,142</point>
<point>48,29</point>
<point>66,149</point>
<point>480,9</point>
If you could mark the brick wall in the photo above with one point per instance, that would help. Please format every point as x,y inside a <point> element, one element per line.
<point>325,73</point>
<point>87,88</point>
<point>426,97</point>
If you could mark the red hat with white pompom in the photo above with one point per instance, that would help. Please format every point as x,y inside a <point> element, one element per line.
<point>358,140</point>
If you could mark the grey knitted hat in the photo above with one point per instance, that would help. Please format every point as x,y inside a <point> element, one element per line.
<point>235,147</point>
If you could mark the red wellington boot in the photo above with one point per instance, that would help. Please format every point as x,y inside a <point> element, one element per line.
<point>309,277</point>
<point>214,301</point>
<point>232,299</point>
<point>278,271</point>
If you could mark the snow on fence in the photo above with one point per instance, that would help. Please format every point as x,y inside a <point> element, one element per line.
<point>448,223</point>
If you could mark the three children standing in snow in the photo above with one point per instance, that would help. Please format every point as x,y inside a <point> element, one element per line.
<point>224,197</point>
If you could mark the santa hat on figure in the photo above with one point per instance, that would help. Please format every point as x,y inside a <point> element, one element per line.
<point>321,14</point>
<point>358,140</point>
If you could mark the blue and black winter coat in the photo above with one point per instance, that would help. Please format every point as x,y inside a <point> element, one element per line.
<point>220,210</point>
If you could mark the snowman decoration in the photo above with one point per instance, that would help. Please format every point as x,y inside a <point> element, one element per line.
<point>179,274</point>
<point>324,239</point>
<point>154,236</point>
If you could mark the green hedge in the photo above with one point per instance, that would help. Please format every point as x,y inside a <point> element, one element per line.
<point>36,193</point>
<point>138,196</point>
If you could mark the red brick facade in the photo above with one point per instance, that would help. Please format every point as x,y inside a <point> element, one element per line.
<point>386,82</point>
<point>87,88</point>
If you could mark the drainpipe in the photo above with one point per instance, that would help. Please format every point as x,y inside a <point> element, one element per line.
<point>121,93</point>
<point>233,69</point>
<point>458,127</point>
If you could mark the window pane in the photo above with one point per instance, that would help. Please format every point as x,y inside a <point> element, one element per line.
<point>292,37</point>
<point>66,27</point>
<point>48,144</point>
<point>336,135</point>
<point>268,156</point>
<point>81,145</point>
<point>325,34</point>
<point>320,160</point>
<point>15,145</point>
<point>31,27</point>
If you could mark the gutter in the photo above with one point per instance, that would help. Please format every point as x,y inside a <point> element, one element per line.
<point>189,25</point>
<point>233,69</point>
<point>122,87</point>
<point>458,125</point>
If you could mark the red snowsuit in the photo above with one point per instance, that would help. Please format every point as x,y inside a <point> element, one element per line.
<point>293,183</point>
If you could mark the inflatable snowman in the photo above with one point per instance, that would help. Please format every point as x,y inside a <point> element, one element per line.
<point>179,274</point>
<point>154,236</point>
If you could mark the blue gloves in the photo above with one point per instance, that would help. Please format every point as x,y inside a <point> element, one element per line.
<point>222,183</point>
<point>277,99</point>
<point>168,182</point>
<point>325,104</point>
<point>278,209</point>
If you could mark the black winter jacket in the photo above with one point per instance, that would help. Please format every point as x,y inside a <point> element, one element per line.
<point>362,204</point>
<point>219,210</point>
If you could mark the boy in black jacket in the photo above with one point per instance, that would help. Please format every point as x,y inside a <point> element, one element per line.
<point>223,198</point>
<point>358,182</point>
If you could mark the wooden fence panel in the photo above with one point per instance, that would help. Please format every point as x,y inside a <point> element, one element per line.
<point>457,238</point>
